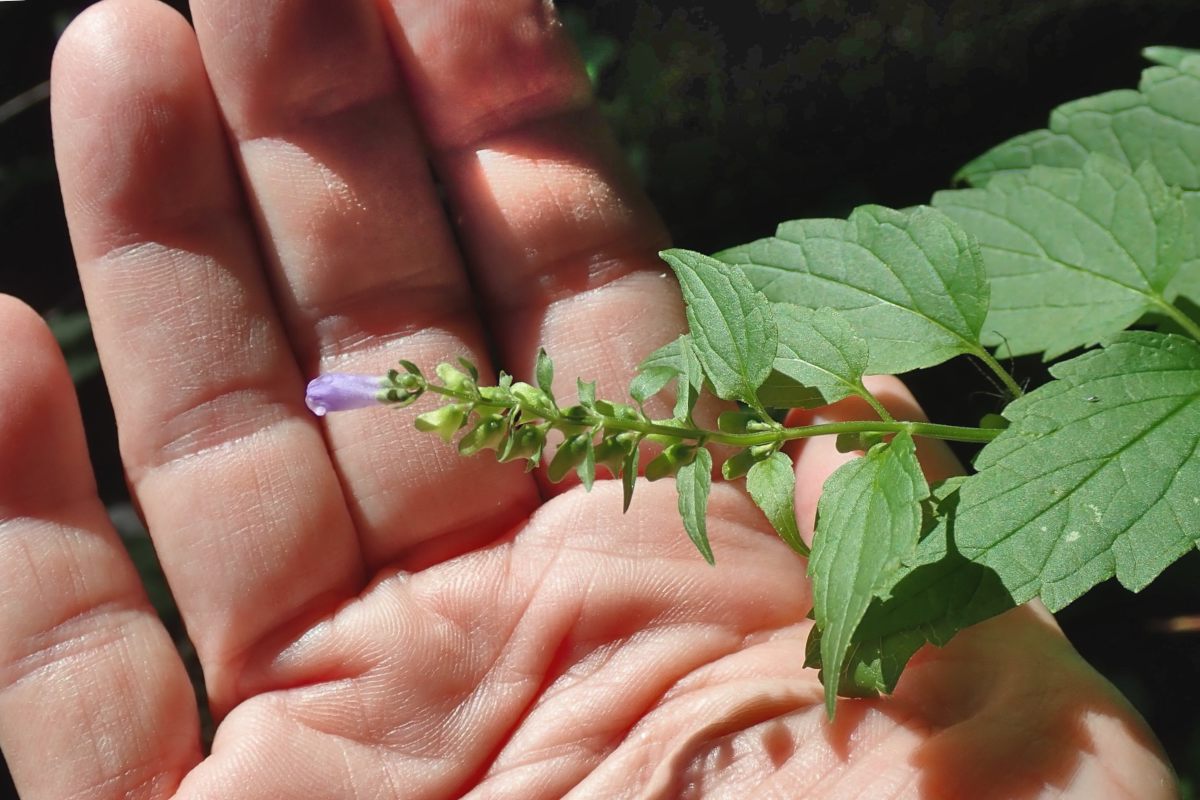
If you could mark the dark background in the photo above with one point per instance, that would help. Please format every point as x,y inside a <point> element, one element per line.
<point>736,116</point>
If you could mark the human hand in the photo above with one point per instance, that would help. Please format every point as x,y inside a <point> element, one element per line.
<point>375,616</point>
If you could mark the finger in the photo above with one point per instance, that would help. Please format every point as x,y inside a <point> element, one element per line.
<point>560,238</point>
<point>363,259</point>
<point>818,457</point>
<point>90,682</point>
<point>230,471</point>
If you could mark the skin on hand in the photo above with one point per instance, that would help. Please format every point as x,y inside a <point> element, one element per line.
<point>252,204</point>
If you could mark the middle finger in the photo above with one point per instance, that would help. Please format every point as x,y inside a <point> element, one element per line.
<point>364,264</point>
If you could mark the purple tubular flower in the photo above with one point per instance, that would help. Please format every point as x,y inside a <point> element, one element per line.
<point>341,392</point>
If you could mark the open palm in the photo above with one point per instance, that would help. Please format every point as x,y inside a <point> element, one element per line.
<point>253,203</point>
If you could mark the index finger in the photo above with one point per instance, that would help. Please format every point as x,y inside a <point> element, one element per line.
<point>560,238</point>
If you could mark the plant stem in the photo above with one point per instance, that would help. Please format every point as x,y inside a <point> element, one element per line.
<point>1013,387</point>
<point>876,405</point>
<point>954,433</point>
<point>1181,319</point>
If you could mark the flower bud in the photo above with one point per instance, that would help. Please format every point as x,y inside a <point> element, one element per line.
<point>737,465</point>
<point>570,454</point>
<point>735,421</point>
<point>533,400</point>
<point>524,442</point>
<point>486,435</point>
<point>613,450</point>
<point>575,419</point>
<point>341,392</point>
<point>445,421</point>
<point>669,461</point>
<point>453,378</point>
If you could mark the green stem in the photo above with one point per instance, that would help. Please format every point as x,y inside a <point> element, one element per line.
<point>1181,319</point>
<point>1013,387</point>
<point>875,404</point>
<point>954,433</point>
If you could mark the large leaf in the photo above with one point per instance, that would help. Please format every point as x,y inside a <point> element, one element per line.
<point>819,349</point>
<point>733,333</point>
<point>1096,476</point>
<point>938,593</point>
<point>868,519</point>
<point>1073,255</point>
<point>911,283</point>
<point>1159,123</point>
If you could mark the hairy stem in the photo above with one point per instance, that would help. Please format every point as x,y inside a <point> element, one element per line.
<point>1009,382</point>
<point>1181,319</point>
<point>666,428</point>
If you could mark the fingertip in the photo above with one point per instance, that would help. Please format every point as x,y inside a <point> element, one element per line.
<point>110,39</point>
<point>41,436</point>
<point>130,102</point>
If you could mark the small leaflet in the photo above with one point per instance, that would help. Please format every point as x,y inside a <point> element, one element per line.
<point>693,482</point>
<point>772,485</point>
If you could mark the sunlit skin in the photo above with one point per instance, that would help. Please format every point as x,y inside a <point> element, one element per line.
<point>253,204</point>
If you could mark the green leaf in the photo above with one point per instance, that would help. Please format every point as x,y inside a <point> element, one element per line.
<point>1073,255</point>
<point>587,468</point>
<point>732,331</point>
<point>629,472</point>
<point>868,519</point>
<point>544,373</point>
<point>911,283</point>
<point>650,381</point>
<point>1159,123</point>
<point>1096,476</point>
<point>772,485</point>
<point>693,482</point>
<point>818,348</point>
<point>938,593</point>
<point>1178,57</point>
<point>783,391</point>
<point>676,359</point>
<point>587,393</point>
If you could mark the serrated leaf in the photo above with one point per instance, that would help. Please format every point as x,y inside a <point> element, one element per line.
<point>1096,476</point>
<point>733,333</point>
<point>693,482</point>
<point>819,349</point>
<point>1178,57</point>
<point>1159,123</point>
<point>772,485</point>
<point>910,282</point>
<point>938,593</point>
<point>868,519</point>
<point>1073,255</point>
